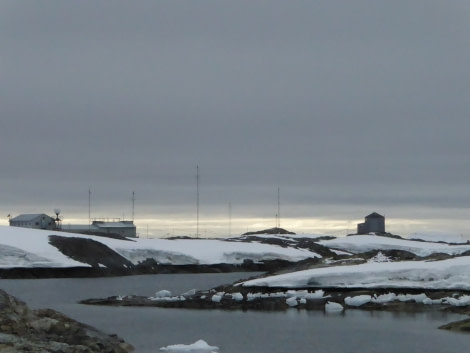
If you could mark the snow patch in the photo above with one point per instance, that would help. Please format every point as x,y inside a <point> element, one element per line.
<point>379,258</point>
<point>216,298</point>
<point>237,296</point>
<point>163,294</point>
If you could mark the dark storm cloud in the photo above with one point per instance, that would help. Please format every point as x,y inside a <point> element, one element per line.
<point>340,102</point>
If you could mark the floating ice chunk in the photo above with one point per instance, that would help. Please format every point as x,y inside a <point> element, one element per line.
<point>199,346</point>
<point>303,301</point>
<point>163,294</point>
<point>429,301</point>
<point>358,300</point>
<point>332,307</point>
<point>292,301</point>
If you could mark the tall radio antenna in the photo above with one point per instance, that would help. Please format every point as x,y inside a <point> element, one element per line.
<point>89,208</point>
<point>133,204</point>
<point>197,201</point>
<point>230,219</point>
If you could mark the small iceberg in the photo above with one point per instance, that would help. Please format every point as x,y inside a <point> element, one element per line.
<point>199,346</point>
<point>358,300</point>
<point>332,307</point>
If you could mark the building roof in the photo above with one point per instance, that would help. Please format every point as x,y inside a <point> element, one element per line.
<point>375,215</point>
<point>121,224</point>
<point>27,217</point>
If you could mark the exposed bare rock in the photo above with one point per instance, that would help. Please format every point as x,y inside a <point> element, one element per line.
<point>90,251</point>
<point>275,230</point>
<point>45,330</point>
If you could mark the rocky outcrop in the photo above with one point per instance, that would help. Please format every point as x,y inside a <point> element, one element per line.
<point>462,326</point>
<point>45,330</point>
<point>275,230</point>
<point>90,252</point>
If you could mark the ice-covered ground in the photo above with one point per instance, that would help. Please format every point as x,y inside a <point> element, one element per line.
<point>445,274</point>
<point>22,247</point>
<point>439,237</point>
<point>362,243</point>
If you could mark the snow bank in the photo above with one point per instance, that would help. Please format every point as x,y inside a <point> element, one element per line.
<point>296,294</point>
<point>24,247</point>
<point>439,237</point>
<point>362,243</point>
<point>445,274</point>
<point>21,247</point>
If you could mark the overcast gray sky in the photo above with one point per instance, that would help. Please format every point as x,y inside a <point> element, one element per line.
<point>348,107</point>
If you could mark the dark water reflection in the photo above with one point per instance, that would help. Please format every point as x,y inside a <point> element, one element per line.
<point>148,329</point>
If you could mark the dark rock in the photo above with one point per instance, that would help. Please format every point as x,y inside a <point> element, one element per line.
<point>90,252</point>
<point>275,230</point>
<point>45,330</point>
<point>463,326</point>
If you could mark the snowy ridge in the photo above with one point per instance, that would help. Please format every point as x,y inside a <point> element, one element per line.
<point>22,247</point>
<point>362,243</point>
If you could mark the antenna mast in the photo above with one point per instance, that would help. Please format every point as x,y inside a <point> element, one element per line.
<point>133,204</point>
<point>230,219</point>
<point>197,201</point>
<point>89,208</point>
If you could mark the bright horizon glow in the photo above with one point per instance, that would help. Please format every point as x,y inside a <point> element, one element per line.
<point>220,227</point>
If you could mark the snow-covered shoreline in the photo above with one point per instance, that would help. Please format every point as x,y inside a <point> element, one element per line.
<point>357,261</point>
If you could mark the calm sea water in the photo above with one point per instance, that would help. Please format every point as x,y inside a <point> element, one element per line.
<point>148,329</point>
